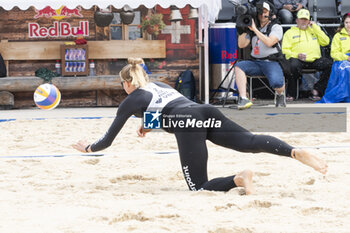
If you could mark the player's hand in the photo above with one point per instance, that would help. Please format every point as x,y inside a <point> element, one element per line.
<point>81,145</point>
<point>141,132</point>
<point>348,58</point>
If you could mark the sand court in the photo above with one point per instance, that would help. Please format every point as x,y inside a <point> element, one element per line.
<point>138,186</point>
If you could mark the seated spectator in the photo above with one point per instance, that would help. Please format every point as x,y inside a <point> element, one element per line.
<point>338,88</point>
<point>301,46</point>
<point>287,9</point>
<point>263,39</point>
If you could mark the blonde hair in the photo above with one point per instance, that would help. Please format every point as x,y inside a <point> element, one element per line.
<point>134,73</point>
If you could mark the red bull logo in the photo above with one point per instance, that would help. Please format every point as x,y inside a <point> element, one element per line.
<point>59,29</point>
<point>46,12</point>
<point>71,12</point>
<point>58,14</point>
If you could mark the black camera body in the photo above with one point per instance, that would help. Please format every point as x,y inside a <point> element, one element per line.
<point>247,12</point>
<point>245,15</point>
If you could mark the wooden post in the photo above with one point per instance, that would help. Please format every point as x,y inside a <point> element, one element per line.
<point>7,68</point>
<point>6,61</point>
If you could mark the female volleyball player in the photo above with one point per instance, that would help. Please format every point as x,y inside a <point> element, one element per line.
<point>192,125</point>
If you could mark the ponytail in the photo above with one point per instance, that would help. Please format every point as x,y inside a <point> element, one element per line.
<point>134,73</point>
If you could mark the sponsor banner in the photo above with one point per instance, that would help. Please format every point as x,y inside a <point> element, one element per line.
<point>59,29</point>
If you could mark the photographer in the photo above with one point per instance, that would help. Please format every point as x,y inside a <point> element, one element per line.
<point>287,9</point>
<point>263,38</point>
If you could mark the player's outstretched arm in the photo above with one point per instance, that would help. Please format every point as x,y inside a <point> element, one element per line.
<point>82,146</point>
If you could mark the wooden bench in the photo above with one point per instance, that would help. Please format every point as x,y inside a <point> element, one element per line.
<point>79,83</point>
<point>50,50</point>
<point>104,85</point>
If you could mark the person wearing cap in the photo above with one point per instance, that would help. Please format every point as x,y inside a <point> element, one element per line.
<point>301,46</point>
<point>263,46</point>
<point>338,88</point>
<point>287,9</point>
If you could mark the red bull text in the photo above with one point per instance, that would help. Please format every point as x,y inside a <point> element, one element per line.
<point>227,55</point>
<point>59,29</point>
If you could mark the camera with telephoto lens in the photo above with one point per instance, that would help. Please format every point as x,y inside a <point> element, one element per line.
<point>247,12</point>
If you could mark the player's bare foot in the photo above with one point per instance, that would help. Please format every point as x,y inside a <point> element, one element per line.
<point>245,179</point>
<point>310,160</point>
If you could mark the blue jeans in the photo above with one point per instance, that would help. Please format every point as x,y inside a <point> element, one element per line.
<point>270,69</point>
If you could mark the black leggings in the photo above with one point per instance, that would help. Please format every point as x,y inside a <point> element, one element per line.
<point>194,154</point>
<point>322,64</point>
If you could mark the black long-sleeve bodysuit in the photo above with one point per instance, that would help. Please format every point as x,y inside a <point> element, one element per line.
<point>192,140</point>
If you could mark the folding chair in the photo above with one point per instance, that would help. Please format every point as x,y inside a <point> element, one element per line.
<point>251,89</point>
<point>266,86</point>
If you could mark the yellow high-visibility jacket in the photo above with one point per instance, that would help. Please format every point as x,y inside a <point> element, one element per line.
<point>340,46</point>
<point>307,41</point>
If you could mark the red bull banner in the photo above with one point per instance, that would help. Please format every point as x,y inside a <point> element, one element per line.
<point>59,29</point>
